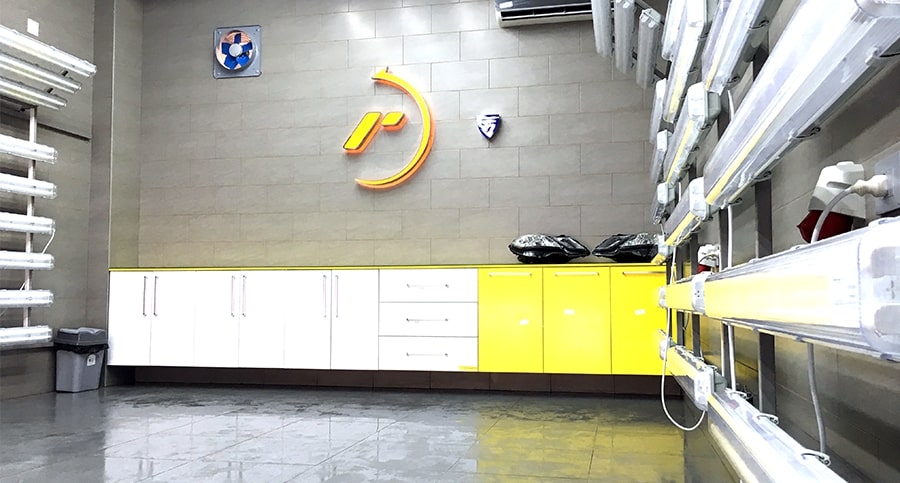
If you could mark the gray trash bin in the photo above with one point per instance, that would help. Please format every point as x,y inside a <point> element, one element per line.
<point>79,357</point>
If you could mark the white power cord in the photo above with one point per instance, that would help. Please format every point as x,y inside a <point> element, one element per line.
<point>662,383</point>
<point>876,186</point>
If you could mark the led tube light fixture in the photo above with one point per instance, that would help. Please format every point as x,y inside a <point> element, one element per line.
<point>600,12</point>
<point>623,23</point>
<point>37,73</point>
<point>659,156</point>
<point>690,36</point>
<point>659,94</point>
<point>756,448</point>
<point>697,115</point>
<point>681,223</point>
<point>25,298</point>
<point>29,95</point>
<point>11,337</point>
<point>25,261</point>
<point>649,26</point>
<point>738,29</point>
<point>665,195</point>
<point>26,224</point>
<point>843,46</point>
<point>35,48</point>
<point>698,379</point>
<point>26,149</point>
<point>674,16</point>
<point>27,186</point>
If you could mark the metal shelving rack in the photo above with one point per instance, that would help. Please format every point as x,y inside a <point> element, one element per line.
<point>28,84</point>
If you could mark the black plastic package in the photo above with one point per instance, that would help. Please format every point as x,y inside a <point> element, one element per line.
<point>635,248</point>
<point>542,248</point>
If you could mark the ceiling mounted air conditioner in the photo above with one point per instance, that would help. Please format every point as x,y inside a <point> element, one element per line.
<point>511,13</point>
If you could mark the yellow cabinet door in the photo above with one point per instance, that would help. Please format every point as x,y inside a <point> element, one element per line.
<point>510,337</point>
<point>636,316</point>
<point>576,320</point>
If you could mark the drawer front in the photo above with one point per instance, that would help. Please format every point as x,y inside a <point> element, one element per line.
<point>429,285</point>
<point>449,354</point>
<point>455,319</point>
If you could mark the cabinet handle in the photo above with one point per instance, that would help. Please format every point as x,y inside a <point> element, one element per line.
<point>645,272</point>
<point>337,293</point>
<point>424,285</point>
<point>416,321</point>
<point>155,282</point>
<point>575,274</point>
<point>232,295</point>
<point>244,296</point>
<point>325,296</point>
<point>427,355</point>
<point>509,274</point>
<point>144,299</point>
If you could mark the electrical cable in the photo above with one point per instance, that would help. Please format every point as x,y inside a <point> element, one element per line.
<point>662,384</point>
<point>825,212</point>
<point>814,394</point>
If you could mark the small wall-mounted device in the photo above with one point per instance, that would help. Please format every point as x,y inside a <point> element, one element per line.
<point>237,51</point>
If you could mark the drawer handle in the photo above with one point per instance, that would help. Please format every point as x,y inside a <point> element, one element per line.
<point>509,274</point>
<point>575,274</point>
<point>438,285</point>
<point>427,355</point>
<point>416,321</point>
<point>646,272</point>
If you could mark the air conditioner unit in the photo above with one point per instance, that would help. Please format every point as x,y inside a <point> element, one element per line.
<point>511,13</point>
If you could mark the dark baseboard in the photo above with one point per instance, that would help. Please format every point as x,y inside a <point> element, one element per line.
<point>420,380</point>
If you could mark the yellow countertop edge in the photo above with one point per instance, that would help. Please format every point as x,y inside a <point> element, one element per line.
<point>647,266</point>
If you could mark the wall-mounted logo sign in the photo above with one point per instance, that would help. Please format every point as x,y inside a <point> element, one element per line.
<point>488,125</point>
<point>371,122</point>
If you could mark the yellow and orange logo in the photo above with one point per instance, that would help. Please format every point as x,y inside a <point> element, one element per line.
<point>371,122</point>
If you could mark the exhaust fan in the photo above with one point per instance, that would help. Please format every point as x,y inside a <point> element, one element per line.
<point>237,51</point>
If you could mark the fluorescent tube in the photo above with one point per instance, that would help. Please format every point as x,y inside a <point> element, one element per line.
<point>25,336</point>
<point>756,448</point>
<point>698,379</point>
<point>623,22</point>
<point>47,53</point>
<point>699,111</point>
<point>25,261</point>
<point>738,29</point>
<point>600,12</point>
<point>26,224</point>
<point>26,149</point>
<point>37,73</point>
<point>690,35</point>
<point>29,95</point>
<point>659,94</point>
<point>664,196</point>
<point>28,187</point>
<point>674,16</point>
<point>648,47</point>
<point>25,298</point>
<point>798,87</point>
<point>681,223</point>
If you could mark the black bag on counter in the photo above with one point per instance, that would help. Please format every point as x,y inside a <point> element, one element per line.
<point>636,248</point>
<point>541,248</point>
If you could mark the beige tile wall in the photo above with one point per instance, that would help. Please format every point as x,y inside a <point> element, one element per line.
<point>251,172</point>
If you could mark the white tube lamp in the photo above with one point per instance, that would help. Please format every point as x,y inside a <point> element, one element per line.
<point>690,36</point>
<point>659,156</point>
<point>35,336</point>
<point>25,298</point>
<point>35,48</point>
<point>697,115</point>
<point>601,14</point>
<point>37,73</point>
<point>659,94</point>
<point>649,26</point>
<point>674,16</point>
<point>623,23</point>
<point>25,261</point>
<point>26,224</point>
<point>29,95</point>
<point>26,149</point>
<point>27,186</point>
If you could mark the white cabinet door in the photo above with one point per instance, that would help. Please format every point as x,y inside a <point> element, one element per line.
<point>217,319</point>
<point>171,301</point>
<point>264,302</point>
<point>354,319</point>
<point>429,285</point>
<point>453,319</point>
<point>307,326</point>
<point>129,319</point>
<point>428,353</point>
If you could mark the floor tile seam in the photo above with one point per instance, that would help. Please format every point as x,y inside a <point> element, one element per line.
<point>150,478</point>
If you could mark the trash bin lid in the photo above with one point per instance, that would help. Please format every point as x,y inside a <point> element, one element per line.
<point>81,336</point>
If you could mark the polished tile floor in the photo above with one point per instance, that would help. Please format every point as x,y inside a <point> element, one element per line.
<point>179,434</point>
